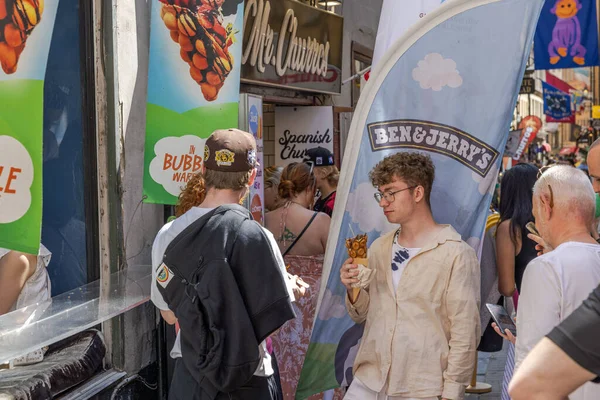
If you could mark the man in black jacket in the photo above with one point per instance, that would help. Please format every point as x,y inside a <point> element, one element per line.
<point>222,277</point>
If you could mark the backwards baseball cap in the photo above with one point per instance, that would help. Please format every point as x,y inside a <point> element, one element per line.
<point>230,150</point>
<point>320,157</point>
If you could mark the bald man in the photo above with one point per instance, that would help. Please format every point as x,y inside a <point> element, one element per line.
<point>569,356</point>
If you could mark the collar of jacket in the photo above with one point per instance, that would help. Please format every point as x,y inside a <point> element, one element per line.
<point>448,234</point>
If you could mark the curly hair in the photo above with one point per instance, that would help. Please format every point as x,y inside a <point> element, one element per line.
<point>192,195</point>
<point>416,169</point>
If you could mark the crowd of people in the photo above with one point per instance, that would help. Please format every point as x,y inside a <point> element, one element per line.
<point>422,310</point>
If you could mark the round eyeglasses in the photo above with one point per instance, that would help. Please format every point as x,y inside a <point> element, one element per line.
<point>389,196</point>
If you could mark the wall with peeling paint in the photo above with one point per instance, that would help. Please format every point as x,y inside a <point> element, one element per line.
<point>140,222</point>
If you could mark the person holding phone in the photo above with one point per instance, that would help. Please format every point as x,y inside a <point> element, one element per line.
<point>569,356</point>
<point>514,250</point>
<point>558,282</point>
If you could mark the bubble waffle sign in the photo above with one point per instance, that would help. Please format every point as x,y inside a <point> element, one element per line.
<point>16,178</point>
<point>176,161</point>
<point>438,138</point>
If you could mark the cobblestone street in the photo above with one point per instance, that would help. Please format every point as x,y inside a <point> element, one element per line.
<point>490,369</point>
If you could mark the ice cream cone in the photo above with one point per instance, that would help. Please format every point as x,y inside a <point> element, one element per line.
<point>356,291</point>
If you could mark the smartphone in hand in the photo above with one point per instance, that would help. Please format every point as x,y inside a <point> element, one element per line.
<point>532,229</point>
<point>501,318</point>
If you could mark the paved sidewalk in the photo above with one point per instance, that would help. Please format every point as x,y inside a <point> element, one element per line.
<point>490,369</point>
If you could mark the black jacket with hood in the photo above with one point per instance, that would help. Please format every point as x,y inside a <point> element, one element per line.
<point>228,293</point>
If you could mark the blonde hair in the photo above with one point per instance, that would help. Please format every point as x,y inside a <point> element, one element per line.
<point>273,176</point>
<point>331,173</point>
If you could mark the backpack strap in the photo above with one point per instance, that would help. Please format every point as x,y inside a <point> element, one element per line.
<point>301,233</point>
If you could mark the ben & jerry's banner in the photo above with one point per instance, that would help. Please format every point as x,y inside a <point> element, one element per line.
<point>396,18</point>
<point>427,94</point>
<point>567,35</point>
<point>26,31</point>
<point>193,88</point>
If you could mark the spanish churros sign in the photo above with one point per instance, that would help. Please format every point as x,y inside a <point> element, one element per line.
<point>193,88</point>
<point>25,34</point>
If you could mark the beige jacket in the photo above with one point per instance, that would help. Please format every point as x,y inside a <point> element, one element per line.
<point>422,340</point>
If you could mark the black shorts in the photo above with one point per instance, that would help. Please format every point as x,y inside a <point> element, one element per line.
<point>185,387</point>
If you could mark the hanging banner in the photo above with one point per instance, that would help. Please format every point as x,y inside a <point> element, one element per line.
<point>396,18</point>
<point>416,101</point>
<point>512,144</point>
<point>566,35</point>
<point>557,104</point>
<point>298,129</point>
<point>529,126</point>
<point>193,88</point>
<point>24,45</point>
<point>580,83</point>
<point>251,120</point>
<point>563,86</point>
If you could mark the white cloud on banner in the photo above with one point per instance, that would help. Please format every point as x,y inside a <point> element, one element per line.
<point>365,211</point>
<point>487,183</point>
<point>332,306</point>
<point>16,178</point>
<point>434,72</point>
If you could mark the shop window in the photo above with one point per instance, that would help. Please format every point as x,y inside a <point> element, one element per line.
<point>362,57</point>
<point>68,230</point>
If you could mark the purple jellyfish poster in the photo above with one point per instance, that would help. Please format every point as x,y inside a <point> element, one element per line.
<point>567,35</point>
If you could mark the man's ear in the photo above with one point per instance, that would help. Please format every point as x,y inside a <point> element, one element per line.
<point>252,177</point>
<point>419,194</point>
<point>545,205</point>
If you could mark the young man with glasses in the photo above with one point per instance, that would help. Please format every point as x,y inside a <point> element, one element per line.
<point>422,307</point>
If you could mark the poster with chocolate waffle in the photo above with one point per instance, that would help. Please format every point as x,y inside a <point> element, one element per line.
<point>357,250</point>
<point>193,87</point>
<point>26,28</point>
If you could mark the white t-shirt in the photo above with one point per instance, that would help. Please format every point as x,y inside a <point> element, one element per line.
<point>554,285</point>
<point>164,237</point>
<point>400,257</point>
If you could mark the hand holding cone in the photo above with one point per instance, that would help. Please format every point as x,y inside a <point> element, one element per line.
<point>18,18</point>
<point>357,250</point>
<point>204,44</point>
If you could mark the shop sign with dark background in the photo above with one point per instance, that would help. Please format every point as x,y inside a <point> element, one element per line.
<point>291,45</point>
<point>527,86</point>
